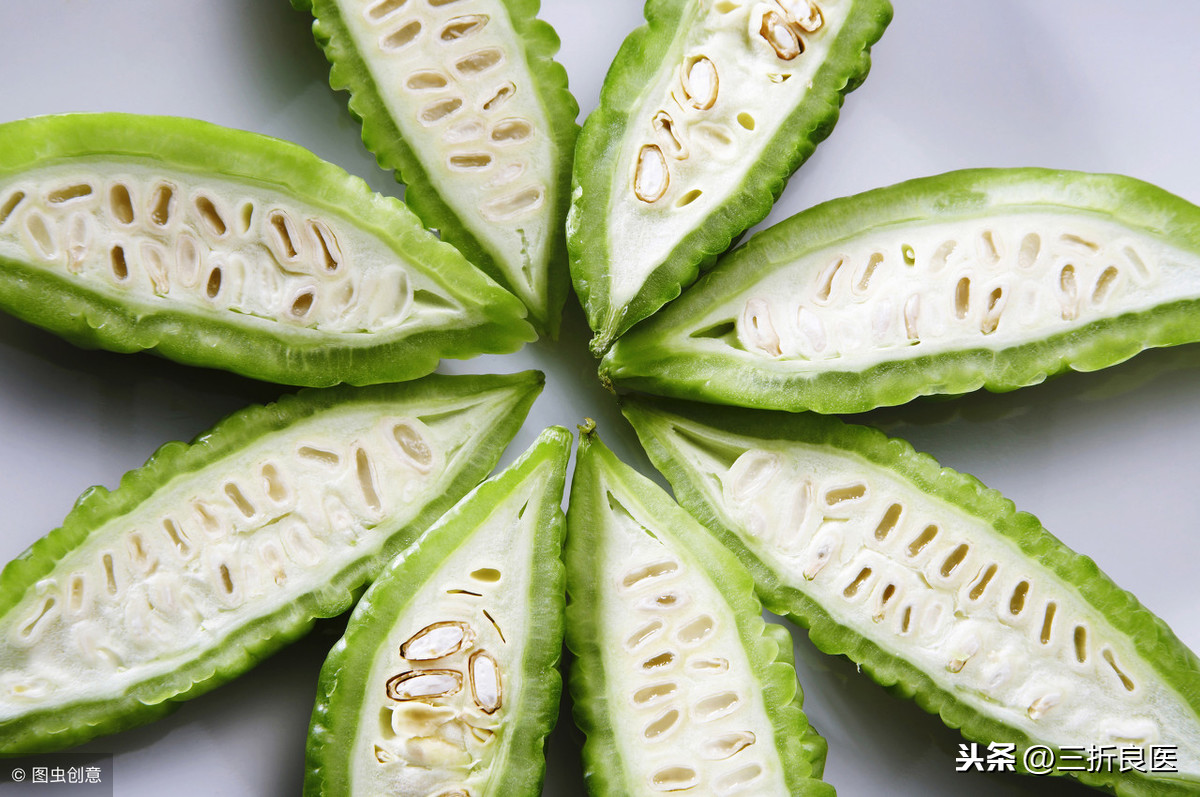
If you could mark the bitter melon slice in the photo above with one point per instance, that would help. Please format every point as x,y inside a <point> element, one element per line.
<point>937,587</point>
<point>214,554</point>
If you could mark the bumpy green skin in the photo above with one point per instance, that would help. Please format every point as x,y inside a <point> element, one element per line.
<point>263,350</point>
<point>641,56</point>
<point>597,471</point>
<point>382,137</point>
<point>343,682</point>
<point>1154,641</point>
<point>253,641</point>
<point>661,357</point>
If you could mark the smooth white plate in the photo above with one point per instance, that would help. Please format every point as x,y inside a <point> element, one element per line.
<point>1106,460</point>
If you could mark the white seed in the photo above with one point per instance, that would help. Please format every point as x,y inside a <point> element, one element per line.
<point>438,640</point>
<point>804,13</point>
<point>424,684</point>
<point>485,681</point>
<point>700,81</point>
<point>651,177</point>
<point>780,36</point>
<point>809,324</point>
<point>154,261</point>
<point>756,328</point>
<point>912,309</point>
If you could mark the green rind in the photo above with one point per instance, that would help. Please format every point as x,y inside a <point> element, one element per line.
<point>801,750</point>
<point>599,143</point>
<point>1154,641</point>
<point>343,681</point>
<point>382,136</point>
<point>659,357</point>
<point>252,347</point>
<point>71,725</point>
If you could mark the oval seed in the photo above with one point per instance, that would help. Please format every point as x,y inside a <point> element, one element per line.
<point>438,640</point>
<point>700,82</point>
<point>780,36</point>
<point>651,177</point>
<point>485,681</point>
<point>424,684</point>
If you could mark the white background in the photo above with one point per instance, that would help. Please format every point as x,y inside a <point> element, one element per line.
<point>1106,460</point>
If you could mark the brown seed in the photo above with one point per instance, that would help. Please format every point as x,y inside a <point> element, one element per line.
<point>438,640</point>
<point>424,684</point>
<point>780,36</point>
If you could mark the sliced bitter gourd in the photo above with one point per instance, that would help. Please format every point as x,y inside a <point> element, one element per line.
<point>228,249</point>
<point>214,554</point>
<point>935,586</point>
<point>446,680</point>
<point>462,98</point>
<point>678,683</point>
<point>704,114</point>
<point>992,278</point>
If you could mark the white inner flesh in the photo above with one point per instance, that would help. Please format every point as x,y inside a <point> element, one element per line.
<point>439,744</point>
<point>214,549</point>
<point>756,90</point>
<point>131,231</point>
<point>686,709</point>
<point>942,590</point>
<point>900,293</point>
<point>454,79</point>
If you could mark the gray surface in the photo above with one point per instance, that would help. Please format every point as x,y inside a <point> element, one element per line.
<point>1105,460</point>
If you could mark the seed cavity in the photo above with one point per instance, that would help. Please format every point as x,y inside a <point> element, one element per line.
<point>401,37</point>
<point>1027,255</point>
<point>962,297</point>
<point>514,204</point>
<point>1130,253</point>
<point>187,257</point>
<point>1070,291</point>
<point>1080,639</point>
<point>1038,708</point>
<point>924,538</point>
<point>501,96</point>
<point>69,193</point>
<point>1112,662</point>
<point>696,631</point>
<point>840,495</point>
<point>239,499</point>
<point>10,205</point>
<point>852,588</point>
<point>661,726</point>
<point>426,80</point>
<point>154,262</point>
<point>383,9</point>
<point>120,268</point>
<point>414,446</point>
<point>1103,283</point>
<point>759,331</point>
<point>210,215</point>
<point>941,255</point>
<point>912,309</point>
<point>981,583</point>
<point>436,111</point>
<point>700,82</point>
<point>1016,603</point>
<point>668,135</point>
<point>437,640</point>
<point>991,316</point>
<point>479,62</point>
<point>226,578</point>
<point>884,597</point>
<point>906,622</point>
<point>1048,622</point>
<point>495,625</point>
<point>674,778</point>
<point>424,684</point>
<point>650,572</point>
<point>951,563</point>
<point>738,779</point>
<point>864,281</point>
<point>780,36</point>
<point>302,304</point>
<point>176,536</point>
<point>643,635</point>
<point>651,177</point>
<point>888,522</point>
<point>726,745</point>
<point>162,203</point>
<point>461,27</point>
<point>988,250</point>
<point>805,14</point>
<point>283,234</point>
<point>811,327</point>
<point>667,600</point>
<point>485,682</point>
<point>1082,243</point>
<point>28,630</point>
<point>366,479</point>
<point>320,455</point>
<point>649,695</point>
<point>659,662</point>
<point>710,666</point>
<point>511,131</point>
<point>716,706</point>
<point>38,229</point>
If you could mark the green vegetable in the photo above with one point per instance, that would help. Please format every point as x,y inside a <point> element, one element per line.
<point>227,249</point>
<point>993,278</point>
<point>935,585</point>
<point>678,683</point>
<point>462,98</point>
<point>705,113</point>
<point>446,680</point>
<point>215,554</point>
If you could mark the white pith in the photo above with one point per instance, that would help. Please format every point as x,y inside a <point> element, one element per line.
<point>684,704</point>
<point>439,745</point>
<point>922,289</point>
<point>214,549</point>
<point>491,160</point>
<point>216,247</point>
<point>756,91</point>
<point>942,590</point>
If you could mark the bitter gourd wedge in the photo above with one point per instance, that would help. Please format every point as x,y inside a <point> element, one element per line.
<point>227,249</point>
<point>992,277</point>
<point>678,683</point>
<point>215,554</point>
<point>446,682</point>
<point>937,587</point>
<point>462,98</point>
<point>705,113</point>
